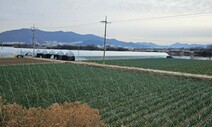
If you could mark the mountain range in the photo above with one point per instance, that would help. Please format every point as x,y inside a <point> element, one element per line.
<point>25,35</point>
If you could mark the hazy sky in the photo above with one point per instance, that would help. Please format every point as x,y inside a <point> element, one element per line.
<point>84,16</point>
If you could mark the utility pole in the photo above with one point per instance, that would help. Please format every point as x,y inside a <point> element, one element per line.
<point>33,40</point>
<point>105,22</point>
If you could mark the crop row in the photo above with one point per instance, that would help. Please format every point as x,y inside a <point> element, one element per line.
<point>179,65</point>
<point>123,97</point>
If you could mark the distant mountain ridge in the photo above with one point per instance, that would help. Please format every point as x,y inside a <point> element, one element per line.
<point>25,35</point>
<point>184,45</point>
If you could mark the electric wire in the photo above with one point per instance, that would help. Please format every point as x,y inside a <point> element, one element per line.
<point>133,20</point>
<point>162,17</point>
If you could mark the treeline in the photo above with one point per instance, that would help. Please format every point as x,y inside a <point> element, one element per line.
<point>18,45</point>
<point>88,47</point>
<point>203,52</point>
<point>69,47</point>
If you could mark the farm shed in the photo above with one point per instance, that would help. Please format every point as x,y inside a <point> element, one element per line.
<point>21,54</point>
<point>59,55</point>
<point>70,56</point>
<point>38,53</point>
<point>27,53</point>
<point>52,54</point>
<point>46,54</point>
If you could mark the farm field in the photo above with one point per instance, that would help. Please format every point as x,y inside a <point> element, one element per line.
<point>15,61</point>
<point>122,97</point>
<point>179,65</point>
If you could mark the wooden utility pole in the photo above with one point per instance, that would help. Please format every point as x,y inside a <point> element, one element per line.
<point>105,22</point>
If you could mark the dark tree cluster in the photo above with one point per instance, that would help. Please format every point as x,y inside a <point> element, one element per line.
<point>203,52</point>
<point>87,47</point>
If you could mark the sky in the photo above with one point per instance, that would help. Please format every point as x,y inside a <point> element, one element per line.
<point>129,18</point>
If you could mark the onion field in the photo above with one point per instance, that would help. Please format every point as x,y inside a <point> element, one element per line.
<point>123,97</point>
<point>180,65</point>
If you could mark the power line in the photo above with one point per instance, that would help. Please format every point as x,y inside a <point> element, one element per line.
<point>162,17</point>
<point>130,20</point>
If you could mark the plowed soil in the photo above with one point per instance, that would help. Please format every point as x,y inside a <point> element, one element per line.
<point>15,61</point>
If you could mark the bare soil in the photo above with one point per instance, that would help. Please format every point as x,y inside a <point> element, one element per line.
<point>20,61</point>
